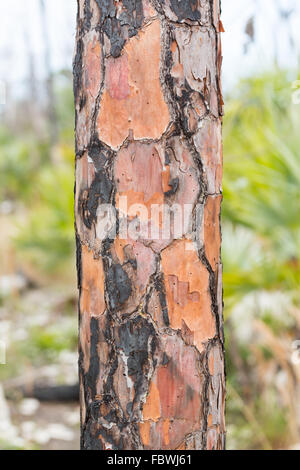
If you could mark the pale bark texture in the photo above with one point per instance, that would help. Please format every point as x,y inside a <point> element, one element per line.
<point>148,126</point>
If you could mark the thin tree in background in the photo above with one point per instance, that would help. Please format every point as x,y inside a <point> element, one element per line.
<point>50,95</point>
<point>148,135</point>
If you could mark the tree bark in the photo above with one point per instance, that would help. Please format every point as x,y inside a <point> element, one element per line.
<point>148,135</point>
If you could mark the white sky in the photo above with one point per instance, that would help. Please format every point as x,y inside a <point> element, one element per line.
<point>19,17</point>
<point>272,37</point>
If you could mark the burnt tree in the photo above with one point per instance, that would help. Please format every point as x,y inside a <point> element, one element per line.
<point>148,131</point>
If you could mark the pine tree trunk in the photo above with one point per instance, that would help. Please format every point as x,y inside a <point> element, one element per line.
<point>148,136</point>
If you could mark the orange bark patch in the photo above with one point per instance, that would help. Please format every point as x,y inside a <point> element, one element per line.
<point>151,410</point>
<point>188,295</point>
<point>166,427</point>
<point>144,110</point>
<point>92,300</point>
<point>141,179</point>
<point>177,388</point>
<point>119,246</point>
<point>136,206</point>
<point>221,27</point>
<point>145,429</point>
<point>180,291</point>
<point>166,179</point>
<point>212,231</point>
<point>139,168</point>
<point>116,80</point>
<point>92,67</point>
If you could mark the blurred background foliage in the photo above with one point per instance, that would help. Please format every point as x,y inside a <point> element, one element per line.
<point>261,257</point>
<point>261,248</point>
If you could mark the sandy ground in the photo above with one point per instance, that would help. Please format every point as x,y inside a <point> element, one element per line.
<point>52,426</point>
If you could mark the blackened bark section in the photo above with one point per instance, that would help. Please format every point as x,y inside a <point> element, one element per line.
<point>185,9</point>
<point>160,288</point>
<point>108,423</point>
<point>118,27</point>
<point>87,14</point>
<point>77,69</point>
<point>99,193</point>
<point>99,153</point>
<point>135,336</point>
<point>174,185</point>
<point>89,438</point>
<point>101,189</point>
<point>118,286</point>
<point>93,372</point>
<point>78,261</point>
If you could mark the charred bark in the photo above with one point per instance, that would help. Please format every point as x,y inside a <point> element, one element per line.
<point>148,128</point>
